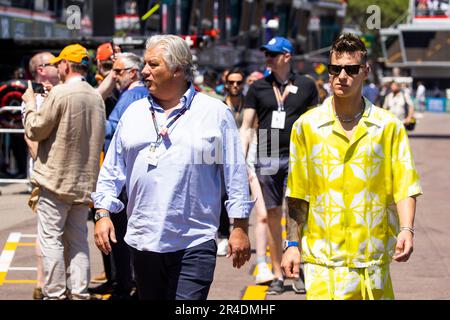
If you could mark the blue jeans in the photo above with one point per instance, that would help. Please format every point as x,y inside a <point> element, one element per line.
<point>182,275</point>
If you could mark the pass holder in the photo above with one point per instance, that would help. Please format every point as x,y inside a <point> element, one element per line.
<point>153,154</point>
<point>293,89</point>
<point>278,119</point>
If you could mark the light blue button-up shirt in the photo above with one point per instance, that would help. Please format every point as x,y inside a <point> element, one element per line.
<point>176,204</point>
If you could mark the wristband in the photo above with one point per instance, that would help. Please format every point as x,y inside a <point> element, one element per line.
<point>288,244</point>
<point>410,229</point>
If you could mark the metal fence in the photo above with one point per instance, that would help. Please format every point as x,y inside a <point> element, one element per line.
<point>13,131</point>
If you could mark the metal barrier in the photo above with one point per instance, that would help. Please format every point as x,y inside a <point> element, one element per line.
<point>3,130</point>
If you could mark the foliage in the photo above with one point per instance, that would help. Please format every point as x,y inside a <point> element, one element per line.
<point>391,10</point>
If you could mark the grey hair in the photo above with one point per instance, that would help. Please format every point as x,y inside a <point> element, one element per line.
<point>176,53</point>
<point>131,60</point>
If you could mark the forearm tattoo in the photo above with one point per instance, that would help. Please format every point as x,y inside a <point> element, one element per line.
<point>298,214</point>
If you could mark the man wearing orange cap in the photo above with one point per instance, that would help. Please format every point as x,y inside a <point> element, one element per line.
<point>70,128</point>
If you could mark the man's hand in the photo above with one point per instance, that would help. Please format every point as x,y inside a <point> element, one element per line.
<point>103,232</point>
<point>404,246</point>
<point>290,262</point>
<point>239,246</point>
<point>29,97</point>
<point>47,87</point>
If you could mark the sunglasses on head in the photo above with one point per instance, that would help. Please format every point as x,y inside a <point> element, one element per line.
<point>351,69</point>
<point>231,82</point>
<point>272,54</point>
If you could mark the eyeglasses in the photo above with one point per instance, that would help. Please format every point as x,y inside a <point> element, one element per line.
<point>231,82</point>
<point>351,69</point>
<point>119,71</point>
<point>46,65</point>
<point>272,54</point>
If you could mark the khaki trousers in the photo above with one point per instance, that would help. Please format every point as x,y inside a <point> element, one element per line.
<point>62,235</point>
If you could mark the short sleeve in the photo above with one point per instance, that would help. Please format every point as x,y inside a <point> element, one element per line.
<point>405,177</point>
<point>251,100</point>
<point>298,184</point>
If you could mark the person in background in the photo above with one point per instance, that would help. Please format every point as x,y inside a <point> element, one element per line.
<point>105,57</point>
<point>399,103</point>
<point>275,102</point>
<point>371,92</point>
<point>127,74</point>
<point>46,74</point>
<point>252,77</point>
<point>70,129</point>
<point>220,87</point>
<point>421,96</point>
<point>234,99</point>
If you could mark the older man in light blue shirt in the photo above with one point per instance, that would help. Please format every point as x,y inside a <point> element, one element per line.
<point>175,151</point>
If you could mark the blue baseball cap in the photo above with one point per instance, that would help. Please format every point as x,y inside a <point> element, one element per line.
<point>278,44</point>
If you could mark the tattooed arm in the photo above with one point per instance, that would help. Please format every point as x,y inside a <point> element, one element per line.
<point>298,213</point>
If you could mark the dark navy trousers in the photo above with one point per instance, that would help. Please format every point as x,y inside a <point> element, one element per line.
<point>181,275</point>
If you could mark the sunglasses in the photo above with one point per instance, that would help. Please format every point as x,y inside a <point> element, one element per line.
<point>235,82</point>
<point>351,69</point>
<point>272,54</point>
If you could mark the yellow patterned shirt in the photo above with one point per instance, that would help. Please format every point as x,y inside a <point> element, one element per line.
<point>352,186</point>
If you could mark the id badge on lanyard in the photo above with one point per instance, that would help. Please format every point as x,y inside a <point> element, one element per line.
<point>278,119</point>
<point>153,154</point>
<point>279,116</point>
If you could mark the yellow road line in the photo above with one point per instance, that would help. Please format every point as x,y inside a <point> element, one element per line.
<point>20,281</point>
<point>26,244</point>
<point>2,277</point>
<point>255,293</point>
<point>10,246</point>
<point>7,254</point>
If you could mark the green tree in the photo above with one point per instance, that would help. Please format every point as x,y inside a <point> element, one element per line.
<point>390,11</point>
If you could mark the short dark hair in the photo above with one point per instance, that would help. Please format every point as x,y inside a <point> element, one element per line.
<point>235,70</point>
<point>79,68</point>
<point>348,42</point>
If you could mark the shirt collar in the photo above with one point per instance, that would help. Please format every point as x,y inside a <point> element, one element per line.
<point>329,117</point>
<point>75,79</point>
<point>290,78</point>
<point>185,100</point>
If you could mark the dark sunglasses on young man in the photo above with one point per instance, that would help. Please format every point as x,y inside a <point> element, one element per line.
<point>272,54</point>
<point>351,69</point>
<point>231,82</point>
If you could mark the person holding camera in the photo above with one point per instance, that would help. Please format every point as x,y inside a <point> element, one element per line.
<point>70,129</point>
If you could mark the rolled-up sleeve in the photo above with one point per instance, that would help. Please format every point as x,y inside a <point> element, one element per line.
<point>112,177</point>
<point>239,204</point>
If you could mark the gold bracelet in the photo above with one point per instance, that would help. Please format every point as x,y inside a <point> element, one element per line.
<point>410,229</point>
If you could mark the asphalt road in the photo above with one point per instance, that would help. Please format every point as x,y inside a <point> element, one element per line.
<point>425,276</point>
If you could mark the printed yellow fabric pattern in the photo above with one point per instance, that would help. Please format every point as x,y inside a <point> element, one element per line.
<point>352,186</point>
<point>342,283</point>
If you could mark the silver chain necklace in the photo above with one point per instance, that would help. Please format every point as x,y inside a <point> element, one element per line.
<point>352,119</point>
<point>356,116</point>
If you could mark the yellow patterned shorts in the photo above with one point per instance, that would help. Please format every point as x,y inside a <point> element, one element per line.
<point>342,283</point>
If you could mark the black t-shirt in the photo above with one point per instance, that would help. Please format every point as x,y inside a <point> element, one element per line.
<point>261,97</point>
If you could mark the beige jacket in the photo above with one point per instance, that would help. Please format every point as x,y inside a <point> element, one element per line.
<point>70,128</point>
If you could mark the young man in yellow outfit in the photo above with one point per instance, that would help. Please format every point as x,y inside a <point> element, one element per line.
<point>351,188</point>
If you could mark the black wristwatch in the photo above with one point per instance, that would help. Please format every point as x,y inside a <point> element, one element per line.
<point>288,244</point>
<point>100,214</point>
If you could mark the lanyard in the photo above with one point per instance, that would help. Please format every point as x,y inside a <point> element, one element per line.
<point>228,102</point>
<point>164,131</point>
<point>279,97</point>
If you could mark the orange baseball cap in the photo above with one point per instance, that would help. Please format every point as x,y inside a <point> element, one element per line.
<point>74,53</point>
<point>104,51</point>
